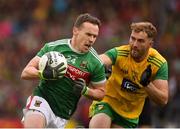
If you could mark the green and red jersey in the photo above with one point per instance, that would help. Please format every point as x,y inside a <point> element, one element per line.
<point>59,93</point>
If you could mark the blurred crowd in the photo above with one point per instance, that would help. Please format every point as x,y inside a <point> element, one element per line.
<point>25,25</point>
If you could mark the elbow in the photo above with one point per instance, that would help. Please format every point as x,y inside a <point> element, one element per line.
<point>161,101</point>
<point>164,101</point>
<point>23,75</point>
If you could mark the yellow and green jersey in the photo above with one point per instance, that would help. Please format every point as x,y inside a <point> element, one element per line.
<point>124,93</point>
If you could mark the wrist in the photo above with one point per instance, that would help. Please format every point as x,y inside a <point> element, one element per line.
<point>85,91</point>
<point>40,74</point>
<point>145,85</point>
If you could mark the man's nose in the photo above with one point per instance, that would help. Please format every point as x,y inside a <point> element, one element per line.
<point>135,43</point>
<point>91,38</point>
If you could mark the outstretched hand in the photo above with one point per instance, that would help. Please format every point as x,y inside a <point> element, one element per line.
<point>146,75</point>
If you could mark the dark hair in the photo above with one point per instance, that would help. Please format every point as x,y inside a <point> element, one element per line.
<point>147,27</point>
<point>86,17</point>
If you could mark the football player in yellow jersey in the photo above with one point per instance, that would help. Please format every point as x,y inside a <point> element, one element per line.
<point>138,71</point>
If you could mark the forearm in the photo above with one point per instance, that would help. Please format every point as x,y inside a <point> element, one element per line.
<point>95,94</point>
<point>30,73</point>
<point>158,95</point>
<point>106,60</point>
<point>31,70</point>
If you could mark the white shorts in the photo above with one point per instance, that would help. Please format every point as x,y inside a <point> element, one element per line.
<point>40,104</point>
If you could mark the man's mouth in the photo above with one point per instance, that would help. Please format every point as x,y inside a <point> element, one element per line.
<point>135,50</point>
<point>88,45</point>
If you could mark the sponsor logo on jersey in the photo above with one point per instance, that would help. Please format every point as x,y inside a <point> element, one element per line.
<point>129,85</point>
<point>37,103</point>
<point>74,73</point>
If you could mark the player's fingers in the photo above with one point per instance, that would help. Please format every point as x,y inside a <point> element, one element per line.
<point>61,69</point>
<point>60,65</point>
<point>60,76</point>
<point>77,82</point>
<point>80,80</point>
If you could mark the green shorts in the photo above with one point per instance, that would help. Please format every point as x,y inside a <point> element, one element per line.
<point>102,107</point>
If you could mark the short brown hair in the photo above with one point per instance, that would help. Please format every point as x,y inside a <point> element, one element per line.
<point>146,27</point>
<point>86,17</point>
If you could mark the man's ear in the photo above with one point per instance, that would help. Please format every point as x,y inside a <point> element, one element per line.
<point>151,42</point>
<point>75,30</point>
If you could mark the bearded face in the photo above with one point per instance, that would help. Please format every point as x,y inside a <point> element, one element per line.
<point>140,45</point>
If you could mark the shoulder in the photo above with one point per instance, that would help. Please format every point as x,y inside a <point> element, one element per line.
<point>94,54</point>
<point>159,64</point>
<point>123,50</point>
<point>58,42</point>
<point>57,45</point>
<point>123,47</point>
<point>155,57</point>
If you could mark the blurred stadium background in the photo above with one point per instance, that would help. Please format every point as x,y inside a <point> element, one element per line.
<point>25,25</point>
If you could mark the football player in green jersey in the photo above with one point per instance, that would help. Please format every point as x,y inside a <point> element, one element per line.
<point>138,71</point>
<point>55,99</point>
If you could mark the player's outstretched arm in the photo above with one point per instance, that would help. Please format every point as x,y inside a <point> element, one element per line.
<point>96,91</point>
<point>106,60</point>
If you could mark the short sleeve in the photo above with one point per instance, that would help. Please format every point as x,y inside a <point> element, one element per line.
<point>43,50</point>
<point>162,73</point>
<point>112,54</point>
<point>98,74</point>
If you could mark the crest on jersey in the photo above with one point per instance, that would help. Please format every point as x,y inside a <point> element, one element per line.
<point>37,103</point>
<point>100,107</point>
<point>83,64</point>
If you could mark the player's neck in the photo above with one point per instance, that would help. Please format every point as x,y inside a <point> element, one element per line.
<point>138,60</point>
<point>74,47</point>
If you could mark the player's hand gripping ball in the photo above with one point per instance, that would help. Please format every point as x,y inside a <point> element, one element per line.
<point>52,65</point>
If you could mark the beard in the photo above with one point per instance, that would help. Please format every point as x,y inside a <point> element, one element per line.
<point>137,54</point>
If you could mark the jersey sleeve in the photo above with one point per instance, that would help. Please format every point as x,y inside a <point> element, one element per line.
<point>112,54</point>
<point>162,73</point>
<point>98,74</point>
<point>43,50</point>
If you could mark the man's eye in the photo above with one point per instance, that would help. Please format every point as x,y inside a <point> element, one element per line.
<point>141,40</point>
<point>88,34</point>
<point>132,38</point>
